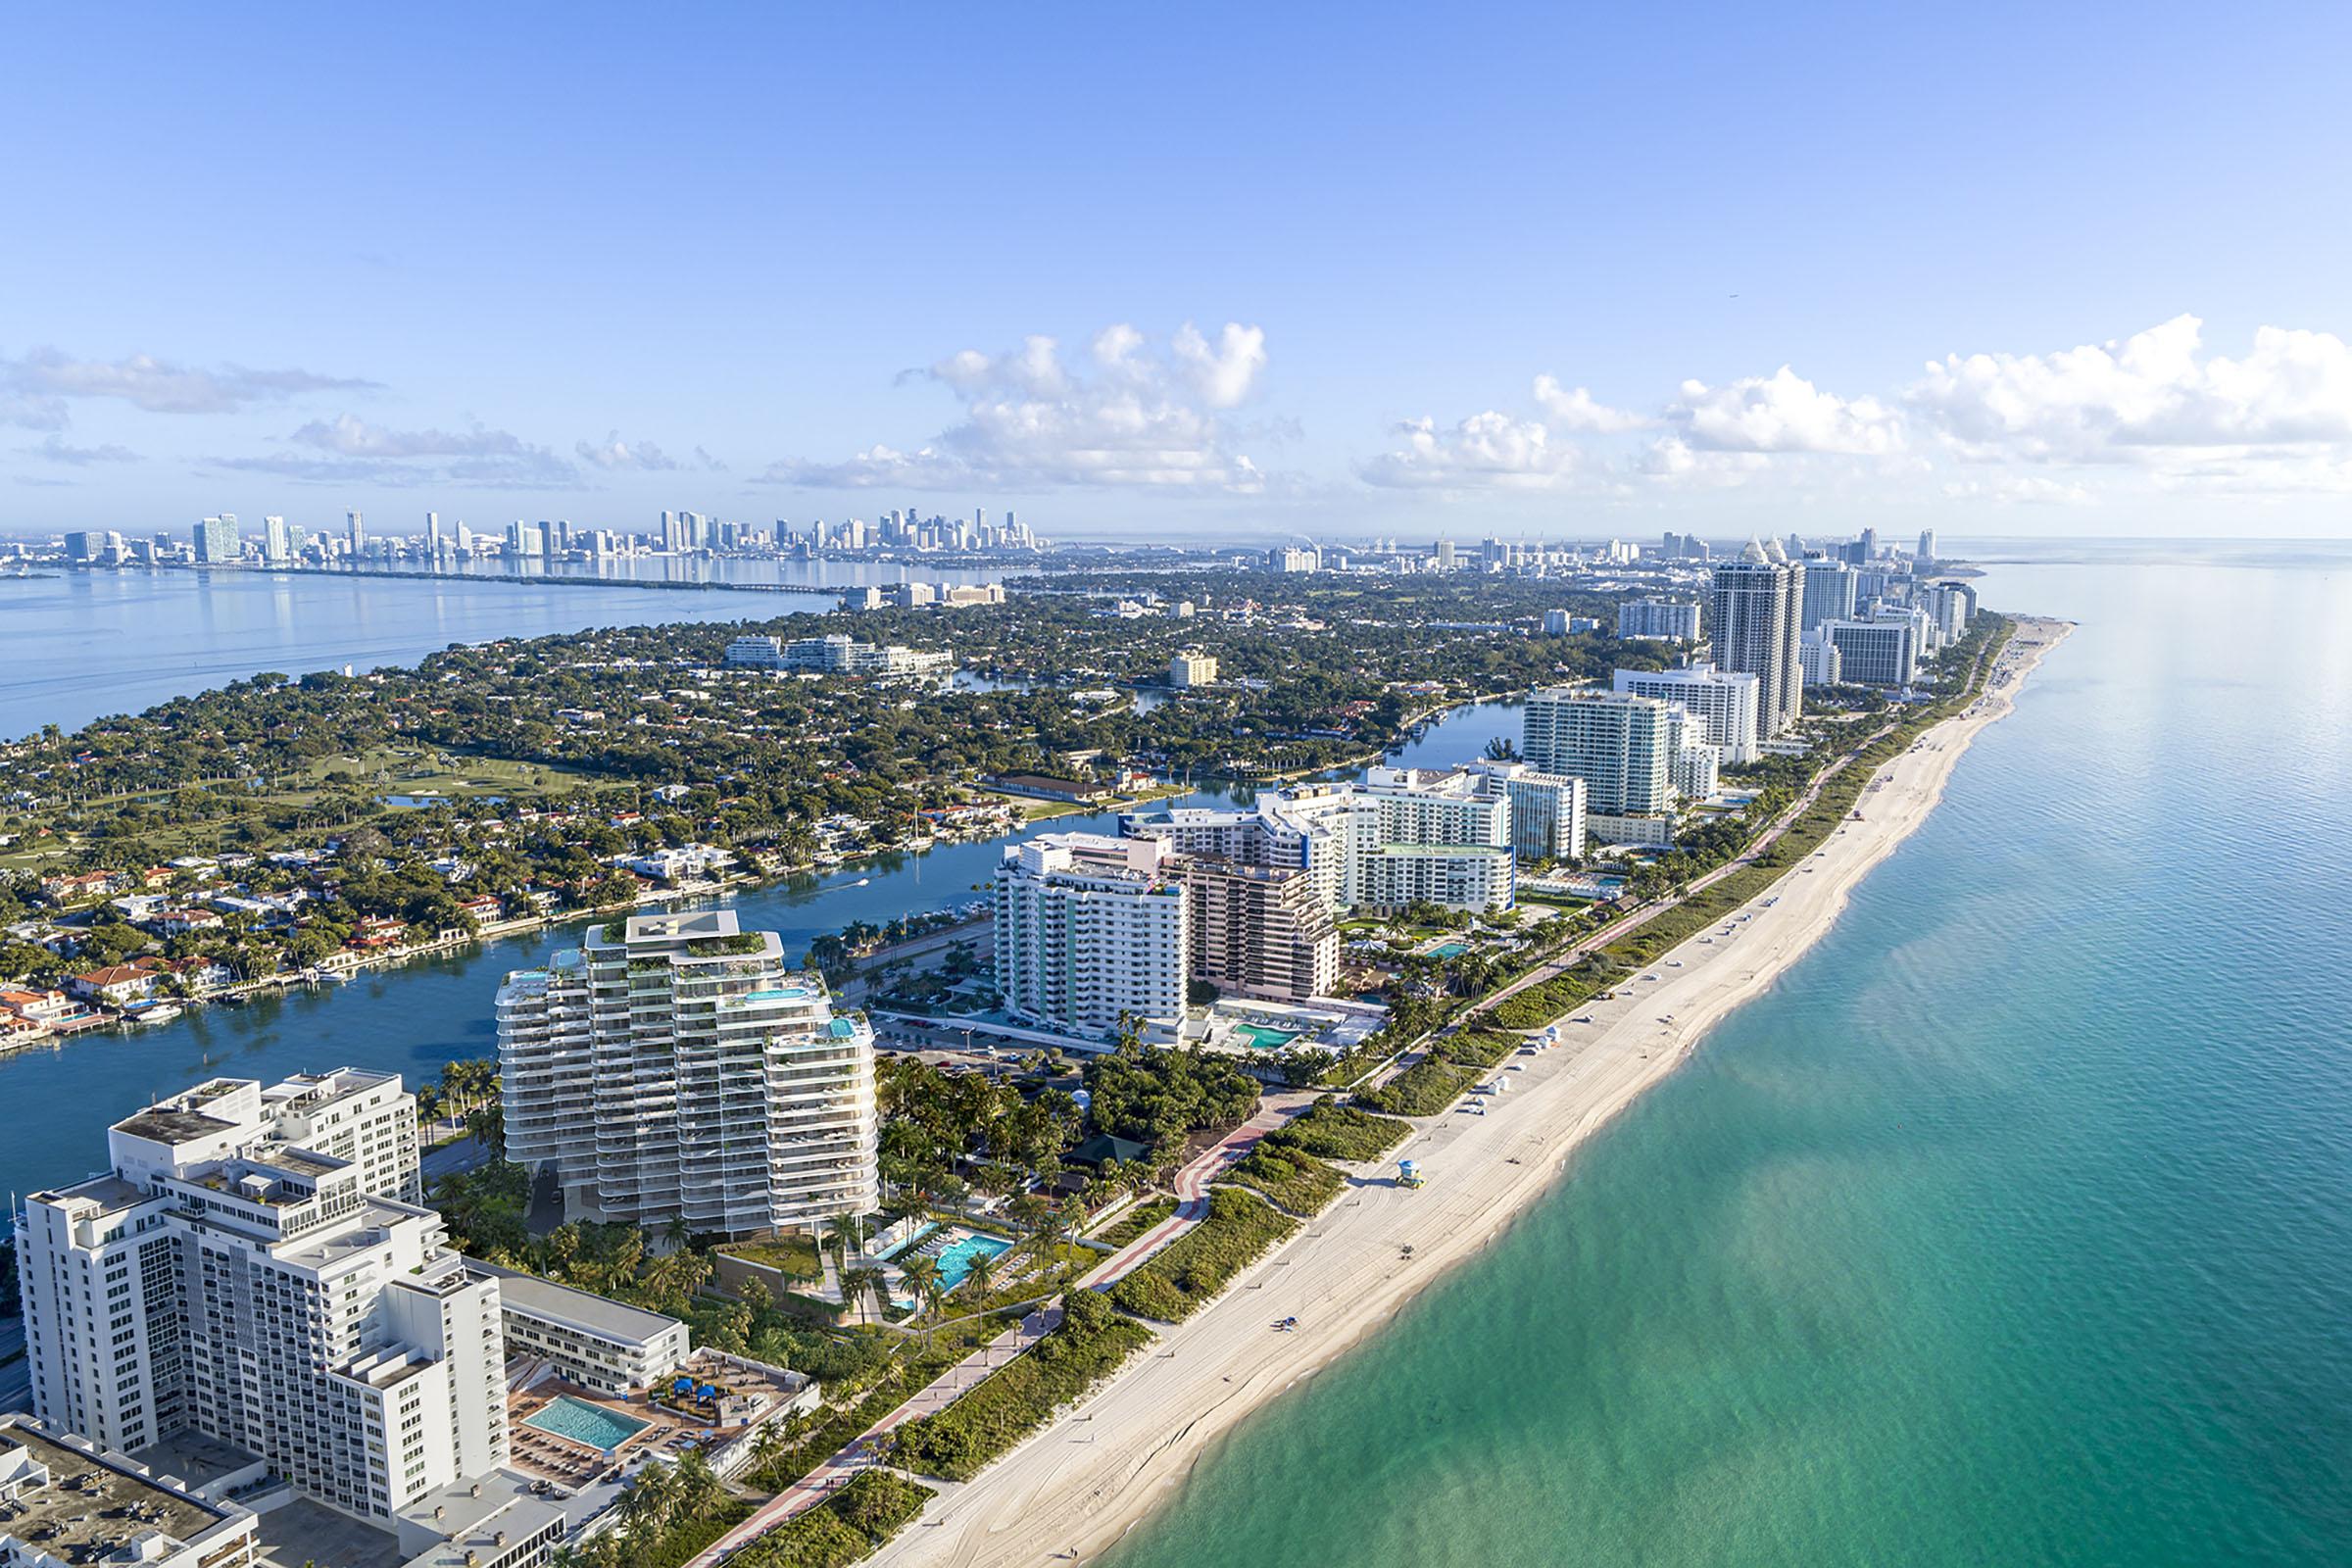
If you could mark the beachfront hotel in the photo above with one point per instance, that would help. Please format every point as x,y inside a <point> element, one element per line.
<point>1876,652</point>
<point>1092,931</point>
<point>674,1068</point>
<point>228,1278</point>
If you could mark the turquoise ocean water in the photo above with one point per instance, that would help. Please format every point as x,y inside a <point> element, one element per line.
<point>2013,1226</point>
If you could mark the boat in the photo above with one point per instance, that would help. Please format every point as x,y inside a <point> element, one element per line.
<point>146,1012</point>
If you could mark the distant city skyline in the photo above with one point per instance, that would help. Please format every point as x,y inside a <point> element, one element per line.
<point>1540,275</point>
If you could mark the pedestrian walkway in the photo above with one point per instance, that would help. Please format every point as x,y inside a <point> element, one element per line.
<point>1192,1185</point>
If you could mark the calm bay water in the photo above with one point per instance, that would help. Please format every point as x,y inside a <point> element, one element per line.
<point>84,644</point>
<point>2011,1227</point>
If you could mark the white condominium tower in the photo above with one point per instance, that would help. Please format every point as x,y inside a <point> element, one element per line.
<point>233,1276</point>
<point>1726,700</point>
<point>674,1069</point>
<point>1673,620</point>
<point>1757,614</point>
<point>1616,742</point>
<point>1547,809</point>
<point>1092,931</point>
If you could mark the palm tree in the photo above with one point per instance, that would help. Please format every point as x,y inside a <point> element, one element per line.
<point>980,1271</point>
<point>922,1277</point>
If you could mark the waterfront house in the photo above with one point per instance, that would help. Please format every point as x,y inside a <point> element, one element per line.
<point>115,984</point>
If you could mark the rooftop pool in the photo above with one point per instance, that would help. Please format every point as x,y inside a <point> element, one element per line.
<point>601,1429</point>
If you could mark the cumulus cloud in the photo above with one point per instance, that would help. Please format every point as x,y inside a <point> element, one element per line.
<point>35,389</point>
<point>2152,399</point>
<point>1142,415</point>
<point>350,448</point>
<point>616,454</point>
<point>1574,409</point>
<point>1783,413</point>
<point>55,450</point>
<point>1489,449</point>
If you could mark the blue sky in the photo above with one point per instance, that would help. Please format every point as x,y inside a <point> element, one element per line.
<point>1320,269</point>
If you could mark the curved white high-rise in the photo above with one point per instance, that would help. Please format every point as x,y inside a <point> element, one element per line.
<point>674,1069</point>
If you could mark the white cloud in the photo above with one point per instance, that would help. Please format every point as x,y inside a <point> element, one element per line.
<point>2149,399</point>
<point>1783,413</point>
<point>356,451</point>
<point>56,451</point>
<point>616,454</point>
<point>35,388</point>
<point>1146,417</point>
<point>1489,449</point>
<point>1574,409</point>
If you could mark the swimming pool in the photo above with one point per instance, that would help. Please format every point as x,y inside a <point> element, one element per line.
<point>956,1258</point>
<point>1450,950</point>
<point>1262,1038</point>
<point>601,1429</point>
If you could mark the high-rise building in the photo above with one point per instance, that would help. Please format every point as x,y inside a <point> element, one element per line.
<point>1755,617</point>
<point>1926,547</point>
<point>1673,620</point>
<point>1091,932</point>
<point>1817,656</point>
<point>215,540</point>
<point>1616,742</point>
<point>1258,930</point>
<point>676,1068</point>
<point>1876,652</point>
<point>1829,593</point>
<point>276,544</point>
<point>1547,809</point>
<point>357,527</point>
<point>433,544</point>
<point>1445,555</point>
<point>1727,702</point>
<point>1190,667</point>
<point>233,1275</point>
<point>1692,755</point>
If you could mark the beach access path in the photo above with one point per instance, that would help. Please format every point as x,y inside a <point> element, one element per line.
<point>1078,1485</point>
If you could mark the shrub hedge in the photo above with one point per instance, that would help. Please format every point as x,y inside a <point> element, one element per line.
<point>1198,1264</point>
<point>1091,1342</point>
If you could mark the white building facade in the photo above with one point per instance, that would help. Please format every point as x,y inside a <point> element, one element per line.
<point>1091,933</point>
<point>1726,700</point>
<point>676,1068</point>
<point>224,1280</point>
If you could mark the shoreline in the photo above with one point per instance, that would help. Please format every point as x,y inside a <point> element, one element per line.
<point>1076,1488</point>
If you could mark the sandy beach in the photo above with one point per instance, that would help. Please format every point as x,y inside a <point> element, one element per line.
<point>1078,1486</point>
